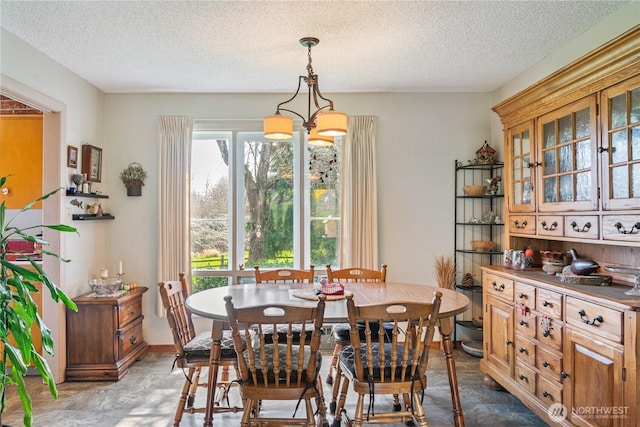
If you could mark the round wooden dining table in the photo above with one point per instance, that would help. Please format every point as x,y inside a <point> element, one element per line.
<point>210,304</point>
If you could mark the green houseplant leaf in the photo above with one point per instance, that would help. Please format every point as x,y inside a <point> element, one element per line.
<point>18,310</point>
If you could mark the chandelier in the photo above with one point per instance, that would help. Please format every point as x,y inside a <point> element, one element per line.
<point>322,124</point>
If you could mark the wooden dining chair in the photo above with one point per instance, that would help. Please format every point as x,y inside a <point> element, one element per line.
<point>341,331</point>
<point>287,275</point>
<point>279,369</point>
<point>193,351</point>
<point>375,366</point>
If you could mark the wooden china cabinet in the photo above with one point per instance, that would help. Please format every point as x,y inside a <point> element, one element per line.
<point>572,180</point>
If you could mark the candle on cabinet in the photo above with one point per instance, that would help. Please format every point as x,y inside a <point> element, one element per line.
<point>120,268</point>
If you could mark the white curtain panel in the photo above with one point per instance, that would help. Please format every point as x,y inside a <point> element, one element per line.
<point>174,252</point>
<point>359,212</point>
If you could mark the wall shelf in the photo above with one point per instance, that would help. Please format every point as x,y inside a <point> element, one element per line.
<point>91,217</point>
<point>90,195</point>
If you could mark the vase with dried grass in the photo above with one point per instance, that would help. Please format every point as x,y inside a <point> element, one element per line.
<point>445,272</point>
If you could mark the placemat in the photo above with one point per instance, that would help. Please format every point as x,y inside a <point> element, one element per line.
<point>309,294</point>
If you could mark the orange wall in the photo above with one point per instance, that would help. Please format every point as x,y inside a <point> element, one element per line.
<point>21,156</point>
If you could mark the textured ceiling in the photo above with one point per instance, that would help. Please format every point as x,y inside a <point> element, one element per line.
<point>252,46</point>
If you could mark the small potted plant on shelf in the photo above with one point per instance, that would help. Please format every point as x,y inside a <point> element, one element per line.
<point>133,178</point>
<point>19,312</point>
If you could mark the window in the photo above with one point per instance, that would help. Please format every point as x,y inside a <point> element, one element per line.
<point>259,202</point>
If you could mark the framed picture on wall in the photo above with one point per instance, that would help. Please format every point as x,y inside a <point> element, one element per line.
<point>72,156</point>
<point>92,162</point>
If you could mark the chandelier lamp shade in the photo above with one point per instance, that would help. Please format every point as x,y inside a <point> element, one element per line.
<point>322,124</point>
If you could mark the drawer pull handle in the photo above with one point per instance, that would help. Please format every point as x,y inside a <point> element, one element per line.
<point>596,320</point>
<point>522,349</point>
<point>517,224</point>
<point>132,312</point>
<point>577,229</point>
<point>563,374</point>
<point>546,303</point>
<point>522,323</point>
<point>508,342</point>
<point>545,364</point>
<point>522,377</point>
<point>133,339</point>
<point>545,394</point>
<point>521,295</point>
<point>551,227</point>
<point>496,287</point>
<point>621,229</point>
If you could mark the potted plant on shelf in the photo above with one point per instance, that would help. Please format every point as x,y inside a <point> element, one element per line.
<point>133,178</point>
<point>18,310</point>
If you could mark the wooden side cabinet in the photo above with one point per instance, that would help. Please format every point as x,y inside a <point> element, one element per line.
<point>104,337</point>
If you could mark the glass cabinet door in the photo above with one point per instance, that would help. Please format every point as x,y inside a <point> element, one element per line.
<point>621,146</point>
<point>520,166</point>
<point>567,149</point>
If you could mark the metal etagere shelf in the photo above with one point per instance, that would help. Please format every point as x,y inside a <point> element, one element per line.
<point>477,218</point>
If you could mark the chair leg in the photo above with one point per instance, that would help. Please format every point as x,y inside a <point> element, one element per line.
<point>331,377</point>
<point>418,411</point>
<point>321,406</point>
<point>344,387</point>
<point>336,388</point>
<point>396,403</point>
<point>248,412</point>
<point>183,397</point>
<point>358,418</point>
<point>193,387</point>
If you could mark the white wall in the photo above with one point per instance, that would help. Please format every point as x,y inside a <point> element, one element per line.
<point>419,138</point>
<point>78,114</point>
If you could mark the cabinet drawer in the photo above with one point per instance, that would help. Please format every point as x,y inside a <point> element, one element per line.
<point>549,303</point>
<point>526,378</point>
<point>129,311</point>
<point>526,323</point>
<point>581,226</point>
<point>601,321</point>
<point>525,294</point>
<point>522,224</point>
<point>621,227</point>
<point>130,338</point>
<point>549,364</point>
<point>525,350</point>
<point>549,332</point>
<point>548,391</point>
<point>498,286</point>
<point>549,225</point>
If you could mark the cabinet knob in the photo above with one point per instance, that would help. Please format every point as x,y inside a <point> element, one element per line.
<point>545,394</point>
<point>133,339</point>
<point>508,342</point>
<point>522,377</point>
<point>522,349</point>
<point>546,303</point>
<point>545,364</point>
<point>563,374</point>
<point>522,323</point>
<point>533,165</point>
<point>521,295</point>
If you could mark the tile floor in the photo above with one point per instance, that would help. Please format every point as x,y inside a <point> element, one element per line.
<point>148,394</point>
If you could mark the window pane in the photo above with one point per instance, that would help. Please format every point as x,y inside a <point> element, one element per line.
<point>525,142</point>
<point>209,203</point>
<point>635,106</point>
<point>583,123</point>
<point>583,154</point>
<point>517,169</point>
<point>620,182</point>
<point>619,146</point>
<point>549,135</point>
<point>566,188</point>
<point>635,143</point>
<point>618,111</point>
<point>268,200</point>
<point>517,192</point>
<point>583,186</point>
<point>635,180</point>
<point>526,195</point>
<point>565,133</point>
<point>324,203</point>
<point>526,171</point>
<point>516,145</point>
<point>566,158</point>
<point>549,162</point>
<point>550,194</point>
